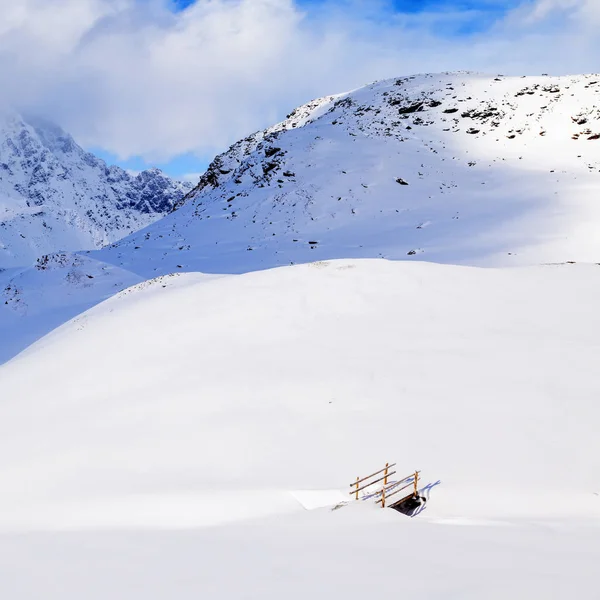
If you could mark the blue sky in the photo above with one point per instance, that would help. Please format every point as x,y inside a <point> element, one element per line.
<point>181,166</point>
<point>472,16</point>
<point>410,6</point>
<point>173,83</point>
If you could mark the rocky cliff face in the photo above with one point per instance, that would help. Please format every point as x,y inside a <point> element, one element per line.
<point>55,196</point>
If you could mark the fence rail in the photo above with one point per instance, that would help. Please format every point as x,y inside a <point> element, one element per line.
<point>387,466</point>
<point>364,487</point>
<point>388,489</point>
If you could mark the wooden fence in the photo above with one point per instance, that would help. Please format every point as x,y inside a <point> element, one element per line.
<point>388,489</point>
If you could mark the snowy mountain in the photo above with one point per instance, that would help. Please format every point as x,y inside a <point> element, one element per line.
<point>452,168</point>
<point>191,427</point>
<point>54,196</point>
<point>196,426</point>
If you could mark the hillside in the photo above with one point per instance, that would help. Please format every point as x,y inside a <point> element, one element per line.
<point>227,406</point>
<point>54,196</point>
<point>452,168</point>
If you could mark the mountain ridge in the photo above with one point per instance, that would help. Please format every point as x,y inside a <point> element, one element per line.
<point>396,169</point>
<point>55,196</point>
<point>460,168</point>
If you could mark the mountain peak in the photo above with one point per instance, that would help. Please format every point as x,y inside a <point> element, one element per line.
<point>450,167</point>
<point>56,196</point>
<point>53,137</point>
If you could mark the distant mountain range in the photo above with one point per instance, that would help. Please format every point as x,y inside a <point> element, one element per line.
<point>55,196</point>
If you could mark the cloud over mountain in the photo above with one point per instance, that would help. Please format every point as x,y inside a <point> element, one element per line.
<point>141,78</point>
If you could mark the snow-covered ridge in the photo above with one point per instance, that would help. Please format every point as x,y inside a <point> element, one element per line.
<point>392,108</point>
<point>225,163</point>
<point>450,168</point>
<point>54,196</point>
<point>455,168</point>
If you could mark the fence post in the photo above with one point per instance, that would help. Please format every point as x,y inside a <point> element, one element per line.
<point>386,474</point>
<point>383,497</point>
<point>357,480</point>
<point>416,482</point>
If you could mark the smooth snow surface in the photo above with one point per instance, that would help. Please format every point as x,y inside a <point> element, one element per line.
<point>345,554</point>
<point>168,442</point>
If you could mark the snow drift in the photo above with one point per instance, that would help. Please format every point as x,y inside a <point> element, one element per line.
<point>164,443</point>
<point>186,390</point>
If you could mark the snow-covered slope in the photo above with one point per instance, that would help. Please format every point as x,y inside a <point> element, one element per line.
<point>188,402</point>
<point>54,196</point>
<point>189,383</point>
<point>35,300</point>
<point>453,168</point>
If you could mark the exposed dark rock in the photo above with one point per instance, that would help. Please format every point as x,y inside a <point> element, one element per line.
<point>412,108</point>
<point>272,151</point>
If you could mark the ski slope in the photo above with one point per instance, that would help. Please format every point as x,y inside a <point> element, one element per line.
<point>177,434</point>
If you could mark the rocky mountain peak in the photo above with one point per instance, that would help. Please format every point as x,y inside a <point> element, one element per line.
<point>56,196</point>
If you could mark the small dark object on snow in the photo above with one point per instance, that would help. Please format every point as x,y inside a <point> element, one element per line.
<point>401,181</point>
<point>271,151</point>
<point>406,110</point>
<point>409,505</point>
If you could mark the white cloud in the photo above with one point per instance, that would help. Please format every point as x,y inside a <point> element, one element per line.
<point>135,78</point>
<point>190,177</point>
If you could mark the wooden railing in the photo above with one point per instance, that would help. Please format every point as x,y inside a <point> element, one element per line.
<point>388,488</point>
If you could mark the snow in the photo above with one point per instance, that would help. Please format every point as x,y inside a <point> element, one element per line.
<point>499,182</point>
<point>55,197</point>
<point>323,185</point>
<point>190,436</point>
<point>191,427</point>
<point>314,554</point>
<point>59,287</point>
